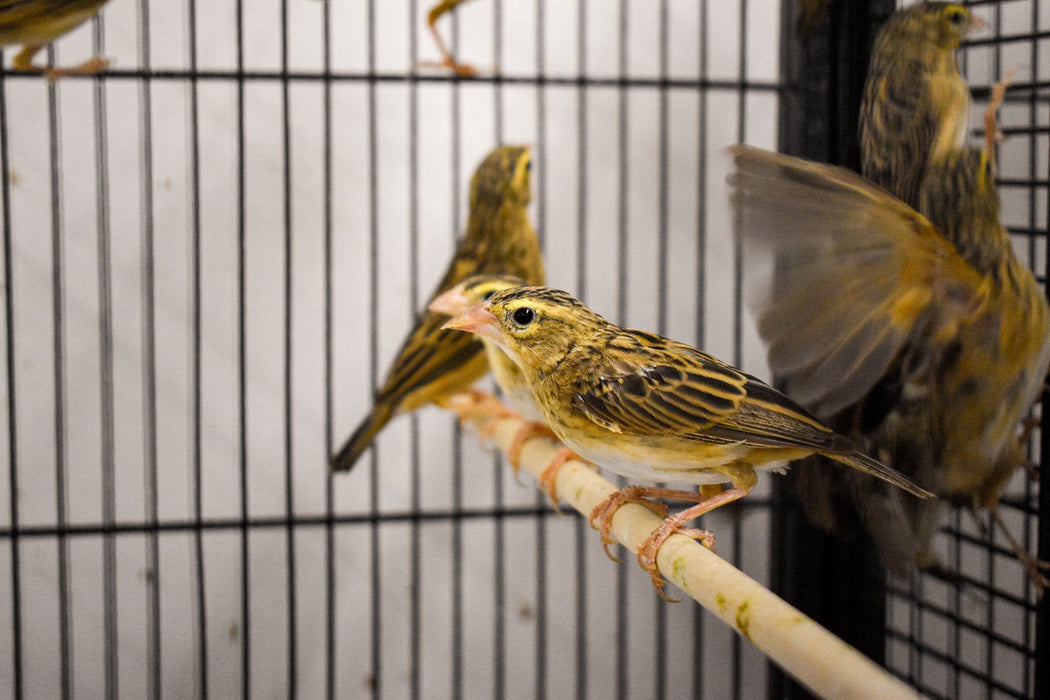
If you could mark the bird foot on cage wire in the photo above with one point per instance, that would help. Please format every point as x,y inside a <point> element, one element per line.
<point>651,547</point>
<point>462,70</point>
<point>992,134</point>
<point>23,63</point>
<point>550,473</point>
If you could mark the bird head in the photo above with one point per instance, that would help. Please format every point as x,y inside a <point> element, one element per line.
<point>536,326</point>
<point>472,291</point>
<point>503,177</point>
<point>942,24</point>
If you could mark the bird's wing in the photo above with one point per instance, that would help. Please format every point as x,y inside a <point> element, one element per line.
<point>653,386</point>
<point>854,276</point>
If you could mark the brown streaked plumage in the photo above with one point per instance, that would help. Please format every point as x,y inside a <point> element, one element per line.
<point>651,408</point>
<point>36,23</point>
<point>433,363</point>
<point>927,346</point>
<point>916,103</point>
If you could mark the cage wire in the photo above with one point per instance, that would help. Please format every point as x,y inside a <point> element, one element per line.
<point>211,254</point>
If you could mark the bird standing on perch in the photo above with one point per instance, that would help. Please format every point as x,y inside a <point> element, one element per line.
<point>651,408</point>
<point>36,23</point>
<point>434,363</point>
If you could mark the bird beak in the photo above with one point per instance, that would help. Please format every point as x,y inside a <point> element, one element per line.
<point>477,319</point>
<point>451,302</point>
<point>977,23</point>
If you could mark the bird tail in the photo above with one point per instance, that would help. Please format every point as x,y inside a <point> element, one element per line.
<point>861,461</point>
<point>362,438</point>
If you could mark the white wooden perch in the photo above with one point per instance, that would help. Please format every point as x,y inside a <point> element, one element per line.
<point>811,654</point>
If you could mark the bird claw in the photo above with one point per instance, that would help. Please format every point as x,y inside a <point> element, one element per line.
<point>601,517</point>
<point>550,474</point>
<point>992,134</point>
<point>649,550</point>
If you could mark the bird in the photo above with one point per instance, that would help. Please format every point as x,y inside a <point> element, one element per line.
<point>36,23</point>
<point>647,407</point>
<point>512,383</point>
<point>432,363</point>
<point>915,105</point>
<point>925,345</point>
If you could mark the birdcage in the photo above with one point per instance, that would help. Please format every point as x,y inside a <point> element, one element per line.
<point>213,249</point>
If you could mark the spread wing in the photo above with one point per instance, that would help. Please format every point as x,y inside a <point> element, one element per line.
<point>854,275</point>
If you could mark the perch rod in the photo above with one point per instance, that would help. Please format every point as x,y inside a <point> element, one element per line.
<point>818,659</point>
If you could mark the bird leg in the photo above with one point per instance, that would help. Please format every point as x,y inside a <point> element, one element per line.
<point>992,135</point>
<point>673,524</point>
<point>550,473</point>
<point>526,432</point>
<point>23,62</point>
<point>463,70</point>
<point>601,516</point>
<point>1032,565</point>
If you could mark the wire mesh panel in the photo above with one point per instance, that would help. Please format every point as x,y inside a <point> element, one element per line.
<point>212,252</point>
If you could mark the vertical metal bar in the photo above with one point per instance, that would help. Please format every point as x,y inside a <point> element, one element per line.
<point>1041,681</point>
<point>373,318</point>
<point>149,363</point>
<point>622,650</point>
<point>701,276</point>
<point>542,539</point>
<point>197,483</point>
<point>58,320</point>
<point>289,480</point>
<point>457,441</point>
<point>415,473</point>
<point>12,404</point>
<point>661,609</point>
<point>105,302</point>
<point>499,676</point>
<point>242,364</point>
<point>581,528</point>
<point>329,498</point>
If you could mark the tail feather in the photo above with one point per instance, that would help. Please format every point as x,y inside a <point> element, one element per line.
<point>362,438</point>
<point>861,461</point>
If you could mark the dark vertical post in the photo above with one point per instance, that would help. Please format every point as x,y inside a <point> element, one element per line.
<point>824,62</point>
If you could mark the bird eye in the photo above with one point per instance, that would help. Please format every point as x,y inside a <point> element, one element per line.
<point>528,165</point>
<point>524,316</point>
<point>957,17</point>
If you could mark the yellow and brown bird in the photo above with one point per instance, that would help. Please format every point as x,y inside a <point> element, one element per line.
<point>916,104</point>
<point>36,23</point>
<point>434,363</point>
<point>928,346</point>
<point>647,407</point>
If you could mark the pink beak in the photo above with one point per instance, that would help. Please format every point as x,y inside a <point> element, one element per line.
<point>451,302</point>
<point>477,319</point>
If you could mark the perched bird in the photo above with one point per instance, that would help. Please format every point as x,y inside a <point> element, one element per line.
<point>925,346</point>
<point>916,104</point>
<point>512,383</point>
<point>433,363</point>
<point>651,408</point>
<point>36,23</point>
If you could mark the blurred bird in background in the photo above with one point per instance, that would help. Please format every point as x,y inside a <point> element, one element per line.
<point>433,363</point>
<point>916,104</point>
<point>651,408</point>
<point>512,383</point>
<point>36,23</point>
<point>928,346</point>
